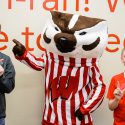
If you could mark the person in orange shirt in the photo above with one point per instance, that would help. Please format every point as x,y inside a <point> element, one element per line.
<point>116,95</point>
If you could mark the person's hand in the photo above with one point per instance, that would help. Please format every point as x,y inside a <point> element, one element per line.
<point>118,93</point>
<point>19,49</point>
<point>1,68</point>
<point>79,114</point>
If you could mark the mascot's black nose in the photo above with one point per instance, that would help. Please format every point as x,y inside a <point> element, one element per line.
<point>63,41</point>
<point>65,45</point>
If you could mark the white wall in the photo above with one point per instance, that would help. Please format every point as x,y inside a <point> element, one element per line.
<point>25,104</point>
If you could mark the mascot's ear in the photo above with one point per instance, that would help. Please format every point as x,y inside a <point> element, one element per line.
<point>102,25</point>
<point>55,14</point>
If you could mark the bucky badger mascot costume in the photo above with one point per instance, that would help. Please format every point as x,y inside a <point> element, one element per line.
<point>74,87</point>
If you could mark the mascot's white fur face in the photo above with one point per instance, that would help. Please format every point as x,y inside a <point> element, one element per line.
<point>75,36</point>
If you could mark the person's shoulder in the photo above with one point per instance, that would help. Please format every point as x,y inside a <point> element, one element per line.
<point>117,76</point>
<point>4,56</point>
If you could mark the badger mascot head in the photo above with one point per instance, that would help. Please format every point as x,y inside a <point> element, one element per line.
<point>74,87</point>
<point>75,36</point>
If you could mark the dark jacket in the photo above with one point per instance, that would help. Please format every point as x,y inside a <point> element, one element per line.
<point>7,82</point>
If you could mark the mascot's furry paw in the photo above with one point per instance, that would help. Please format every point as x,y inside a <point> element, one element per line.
<point>79,114</point>
<point>19,49</point>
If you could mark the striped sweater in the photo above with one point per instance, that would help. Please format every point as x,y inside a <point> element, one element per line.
<point>70,84</point>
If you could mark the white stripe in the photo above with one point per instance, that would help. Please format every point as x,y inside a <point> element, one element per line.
<point>49,70</point>
<point>78,62</point>
<point>86,119</point>
<point>84,92</point>
<point>56,67</point>
<point>47,107</point>
<point>73,73</point>
<point>68,113</point>
<point>73,21</point>
<point>85,95</point>
<point>81,79</point>
<point>77,104</point>
<point>47,82</point>
<point>52,119</point>
<point>91,118</point>
<point>89,62</point>
<point>36,62</point>
<point>59,111</point>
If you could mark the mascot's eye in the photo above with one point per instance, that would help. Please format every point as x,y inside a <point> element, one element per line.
<point>82,33</point>
<point>56,29</point>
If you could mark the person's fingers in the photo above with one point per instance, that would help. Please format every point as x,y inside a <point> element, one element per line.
<point>118,92</point>
<point>16,42</point>
<point>118,89</point>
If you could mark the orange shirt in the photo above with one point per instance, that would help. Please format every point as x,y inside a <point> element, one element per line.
<point>119,112</point>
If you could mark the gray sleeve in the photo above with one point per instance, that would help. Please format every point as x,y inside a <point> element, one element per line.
<point>7,80</point>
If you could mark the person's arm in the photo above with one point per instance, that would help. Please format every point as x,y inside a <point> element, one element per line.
<point>97,96</point>
<point>7,79</point>
<point>118,94</point>
<point>98,91</point>
<point>27,58</point>
<point>36,63</point>
<point>113,104</point>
